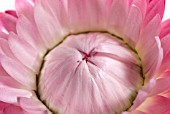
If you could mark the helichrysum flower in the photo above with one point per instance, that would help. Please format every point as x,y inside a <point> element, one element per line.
<point>85,57</point>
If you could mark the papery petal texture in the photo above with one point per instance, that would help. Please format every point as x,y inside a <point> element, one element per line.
<point>85,57</point>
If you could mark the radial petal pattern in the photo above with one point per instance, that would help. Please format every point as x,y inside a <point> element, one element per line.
<point>85,57</point>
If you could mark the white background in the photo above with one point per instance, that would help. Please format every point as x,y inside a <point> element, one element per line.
<point>10,4</point>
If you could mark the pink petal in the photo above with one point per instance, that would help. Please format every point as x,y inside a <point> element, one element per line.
<point>165,44</point>
<point>165,64</point>
<point>9,94</point>
<point>165,29</point>
<point>3,105</point>
<point>118,12</point>
<point>143,93</point>
<point>168,112</point>
<point>32,105</point>
<point>155,7</point>
<point>48,25</point>
<point>3,31</point>
<point>2,71</point>
<point>13,110</point>
<point>5,49</point>
<point>20,72</point>
<point>142,5</point>
<point>8,21</point>
<point>134,112</point>
<point>162,85</point>
<point>165,41</point>
<point>155,105</point>
<point>25,53</point>
<point>149,47</point>
<point>132,25</point>
<point>11,12</point>
<point>27,31</point>
<point>87,15</point>
<point>9,81</point>
<point>138,112</point>
<point>25,7</point>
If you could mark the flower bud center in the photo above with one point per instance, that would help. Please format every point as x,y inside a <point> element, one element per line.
<point>93,73</point>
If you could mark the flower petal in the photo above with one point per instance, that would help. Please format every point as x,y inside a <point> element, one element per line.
<point>162,84</point>
<point>79,11</point>
<point>149,47</point>
<point>9,81</point>
<point>142,94</point>
<point>132,25</point>
<point>9,94</point>
<point>32,105</point>
<point>25,53</point>
<point>3,105</point>
<point>48,25</point>
<point>27,31</point>
<point>117,16</point>
<point>155,105</point>
<point>8,21</point>
<point>5,49</point>
<point>25,7</point>
<point>154,7</point>
<point>2,71</point>
<point>165,29</point>
<point>20,72</point>
<point>11,12</point>
<point>13,110</point>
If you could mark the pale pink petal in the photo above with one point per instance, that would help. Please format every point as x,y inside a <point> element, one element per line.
<point>87,15</point>
<point>142,5</point>
<point>165,65</point>
<point>155,105</point>
<point>118,12</point>
<point>25,7</point>
<point>27,31</point>
<point>25,53</point>
<point>154,7</point>
<point>9,81</point>
<point>20,72</point>
<point>162,84</point>
<point>79,77</point>
<point>149,47</point>
<point>49,27</point>
<point>165,29</point>
<point>11,89</point>
<point>165,44</point>
<point>132,25</point>
<point>5,49</point>
<point>143,93</point>
<point>32,105</point>
<point>134,21</point>
<point>9,94</point>
<point>165,41</point>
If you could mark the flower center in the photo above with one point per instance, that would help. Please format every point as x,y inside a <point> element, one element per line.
<point>92,73</point>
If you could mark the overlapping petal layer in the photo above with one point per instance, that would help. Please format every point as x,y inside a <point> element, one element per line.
<point>28,36</point>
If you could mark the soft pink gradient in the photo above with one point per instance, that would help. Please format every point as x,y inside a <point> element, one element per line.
<point>88,73</point>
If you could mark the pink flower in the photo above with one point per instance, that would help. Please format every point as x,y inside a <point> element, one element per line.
<point>85,57</point>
